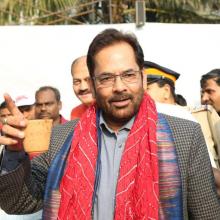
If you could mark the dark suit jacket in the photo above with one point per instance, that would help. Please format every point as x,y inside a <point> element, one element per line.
<point>22,190</point>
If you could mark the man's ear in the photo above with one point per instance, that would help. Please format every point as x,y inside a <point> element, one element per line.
<point>167,91</point>
<point>60,105</point>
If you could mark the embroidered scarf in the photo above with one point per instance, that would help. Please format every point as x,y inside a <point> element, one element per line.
<point>137,187</point>
<point>170,186</point>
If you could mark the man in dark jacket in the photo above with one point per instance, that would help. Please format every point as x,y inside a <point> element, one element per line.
<point>125,161</point>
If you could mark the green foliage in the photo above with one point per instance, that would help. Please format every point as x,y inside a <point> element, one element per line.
<point>48,12</point>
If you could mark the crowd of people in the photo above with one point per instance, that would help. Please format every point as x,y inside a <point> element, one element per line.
<point>133,149</point>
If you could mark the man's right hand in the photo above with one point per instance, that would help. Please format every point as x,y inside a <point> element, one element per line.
<point>13,129</point>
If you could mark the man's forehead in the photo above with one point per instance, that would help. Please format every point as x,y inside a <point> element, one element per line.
<point>153,84</point>
<point>118,54</point>
<point>80,73</point>
<point>43,102</point>
<point>209,84</point>
<point>45,98</point>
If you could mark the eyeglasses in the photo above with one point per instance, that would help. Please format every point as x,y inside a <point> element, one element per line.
<point>108,79</point>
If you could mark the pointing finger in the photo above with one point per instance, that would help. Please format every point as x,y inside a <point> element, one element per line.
<point>11,106</point>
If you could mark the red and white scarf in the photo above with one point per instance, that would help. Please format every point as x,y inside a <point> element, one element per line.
<point>137,187</point>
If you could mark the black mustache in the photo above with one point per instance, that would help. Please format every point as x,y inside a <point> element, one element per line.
<point>117,98</point>
<point>43,115</point>
<point>84,92</point>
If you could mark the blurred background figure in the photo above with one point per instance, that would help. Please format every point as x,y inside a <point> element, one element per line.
<point>26,104</point>
<point>210,97</point>
<point>81,86</point>
<point>160,85</point>
<point>210,89</point>
<point>210,124</point>
<point>160,82</point>
<point>4,112</point>
<point>48,105</point>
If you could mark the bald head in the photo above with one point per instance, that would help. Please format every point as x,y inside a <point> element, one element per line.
<point>80,60</point>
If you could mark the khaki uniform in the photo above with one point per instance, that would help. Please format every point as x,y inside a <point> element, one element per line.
<point>210,124</point>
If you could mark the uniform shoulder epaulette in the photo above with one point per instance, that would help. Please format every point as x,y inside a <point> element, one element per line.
<point>200,108</point>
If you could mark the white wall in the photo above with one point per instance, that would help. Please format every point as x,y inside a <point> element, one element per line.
<point>34,56</point>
